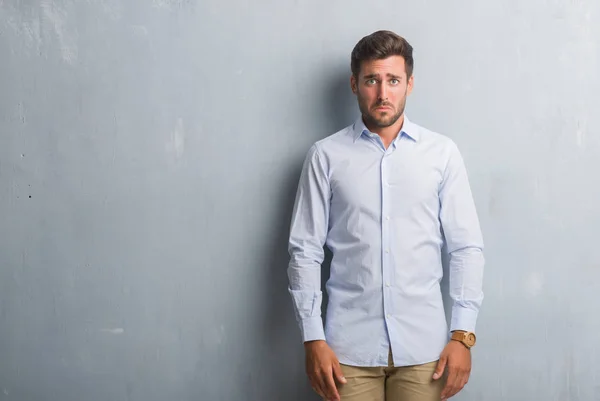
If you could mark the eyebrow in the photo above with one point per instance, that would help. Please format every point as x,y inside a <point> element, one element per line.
<point>371,76</point>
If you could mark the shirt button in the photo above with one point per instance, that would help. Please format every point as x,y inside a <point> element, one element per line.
<point>388,315</point>
<point>387,284</point>
<point>387,217</point>
<point>387,251</point>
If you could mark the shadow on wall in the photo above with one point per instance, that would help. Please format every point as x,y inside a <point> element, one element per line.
<point>281,332</point>
<point>339,108</point>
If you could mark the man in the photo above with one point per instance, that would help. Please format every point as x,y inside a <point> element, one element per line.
<point>383,195</point>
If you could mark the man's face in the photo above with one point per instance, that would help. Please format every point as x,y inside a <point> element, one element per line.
<point>381,89</point>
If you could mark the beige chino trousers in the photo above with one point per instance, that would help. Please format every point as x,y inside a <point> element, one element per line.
<point>389,383</point>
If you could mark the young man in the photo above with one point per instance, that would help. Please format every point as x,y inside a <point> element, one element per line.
<point>383,194</point>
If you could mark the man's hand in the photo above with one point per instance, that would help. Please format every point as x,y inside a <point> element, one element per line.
<point>458,360</point>
<point>322,366</point>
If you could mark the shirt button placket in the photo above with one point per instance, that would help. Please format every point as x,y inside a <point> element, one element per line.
<point>385,243</point>
<point>385,236</point>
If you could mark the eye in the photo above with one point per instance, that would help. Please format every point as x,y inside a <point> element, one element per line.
<point>394,81</point>
<point>372,81</point>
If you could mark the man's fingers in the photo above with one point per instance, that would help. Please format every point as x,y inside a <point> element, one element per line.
<point>439,370</point>
<point>317,384</point>
<point>451,382</point>
<point>465,380</point>
<point>459,384</point>
<point>457,379</point>
<point>330,388</point>
<point>319,392</point>
<point>337,371</point>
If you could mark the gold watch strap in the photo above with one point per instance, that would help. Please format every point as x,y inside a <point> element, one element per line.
<point>467,338</point>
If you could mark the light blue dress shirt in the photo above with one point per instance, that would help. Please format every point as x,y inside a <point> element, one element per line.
<point>384,214</point>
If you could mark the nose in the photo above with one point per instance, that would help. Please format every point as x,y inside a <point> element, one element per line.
<point>382,91</point>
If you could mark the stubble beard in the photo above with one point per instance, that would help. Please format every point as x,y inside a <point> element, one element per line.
<point>371,119</point>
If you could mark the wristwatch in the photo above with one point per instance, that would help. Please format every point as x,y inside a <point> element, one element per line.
<point>467,338</point>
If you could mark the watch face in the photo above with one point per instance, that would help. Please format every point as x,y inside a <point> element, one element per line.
<point>471,339</point>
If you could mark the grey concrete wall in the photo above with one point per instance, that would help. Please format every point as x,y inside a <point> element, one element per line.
<point>149,155</point>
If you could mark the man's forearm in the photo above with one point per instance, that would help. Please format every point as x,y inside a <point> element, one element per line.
<point>466,279</point>
<point>305,283</point>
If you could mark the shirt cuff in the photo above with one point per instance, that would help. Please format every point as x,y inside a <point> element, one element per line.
<point>463,319</point>
<point>312,329</point>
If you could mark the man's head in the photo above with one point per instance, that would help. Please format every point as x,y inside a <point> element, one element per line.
<point>382,77</point>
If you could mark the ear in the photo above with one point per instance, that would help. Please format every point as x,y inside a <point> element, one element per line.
<point>410,84</point>
<point>353,84</point>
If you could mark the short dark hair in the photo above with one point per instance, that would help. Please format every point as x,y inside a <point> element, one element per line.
<point>380,45</point>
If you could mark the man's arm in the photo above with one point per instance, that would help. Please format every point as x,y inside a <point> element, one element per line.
<point>308,233</point>
<point>461,228</point>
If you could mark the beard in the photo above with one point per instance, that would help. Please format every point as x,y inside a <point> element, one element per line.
<point>381,119</point>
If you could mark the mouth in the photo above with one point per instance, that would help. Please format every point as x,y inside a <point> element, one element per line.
<point>383,108</point>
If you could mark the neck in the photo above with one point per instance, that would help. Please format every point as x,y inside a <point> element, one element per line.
<point>388,134</point>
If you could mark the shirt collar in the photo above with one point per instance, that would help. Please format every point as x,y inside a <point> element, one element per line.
<point>408,128</point>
